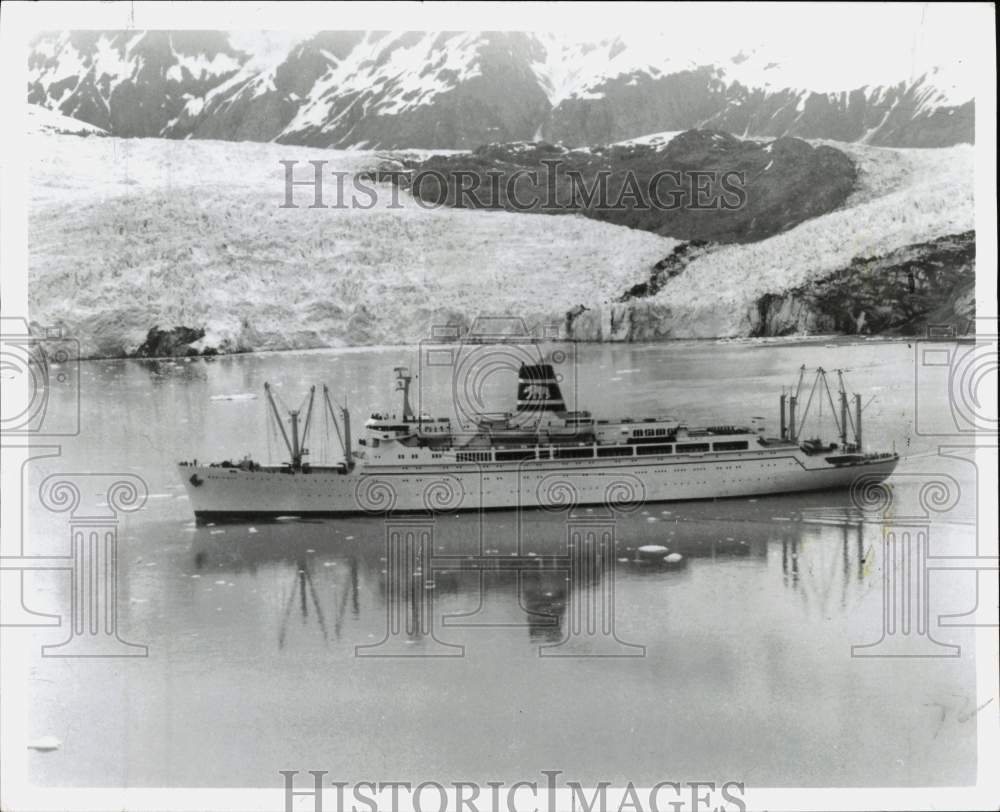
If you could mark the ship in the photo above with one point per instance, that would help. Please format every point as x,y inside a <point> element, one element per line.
<point>540,454</point>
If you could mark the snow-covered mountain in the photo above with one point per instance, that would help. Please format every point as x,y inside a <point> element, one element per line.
<point>130,83</point>
<point>458,90</point>
<point>49,122</point>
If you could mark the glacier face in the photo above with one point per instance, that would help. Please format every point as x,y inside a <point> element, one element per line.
<point>131,235</point>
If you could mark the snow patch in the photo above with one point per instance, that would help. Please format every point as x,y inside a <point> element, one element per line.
<point>42,120</point>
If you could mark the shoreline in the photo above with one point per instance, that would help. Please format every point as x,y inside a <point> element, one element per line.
<point>835,339</point>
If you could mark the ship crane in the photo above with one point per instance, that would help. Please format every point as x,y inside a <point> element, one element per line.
<point>295,443</point>
<point>295,440</point>
<point>345,416</point>
<point>847,425</point>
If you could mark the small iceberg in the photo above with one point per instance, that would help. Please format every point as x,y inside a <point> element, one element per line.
<point>652,552</point>
<point>45,744</point>
<point>673,561</point>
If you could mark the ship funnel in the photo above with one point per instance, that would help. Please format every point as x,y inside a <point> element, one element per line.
<point>538,389</point>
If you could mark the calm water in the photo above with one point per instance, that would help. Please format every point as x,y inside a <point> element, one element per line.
<point>743,669</point>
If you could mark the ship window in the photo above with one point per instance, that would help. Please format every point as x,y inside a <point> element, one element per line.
<point>375,443</point>
<point>520,454</point>
<point>736,445</point>
<point>573,453</point>
<point>643,450</point>
<point>692,448</point>
<point>476,456</point>
<point>615,451</point>
<point>640,440</point>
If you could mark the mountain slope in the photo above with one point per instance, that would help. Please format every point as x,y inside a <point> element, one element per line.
<point>132,84</point>
<point>905,198</point>
<point>720,188</point>
<point>459,90</point>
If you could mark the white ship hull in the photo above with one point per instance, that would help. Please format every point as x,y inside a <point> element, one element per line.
<point>442,485</point>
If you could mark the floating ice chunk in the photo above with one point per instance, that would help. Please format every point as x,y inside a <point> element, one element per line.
<point>45,743</point>
<point>653,551</point>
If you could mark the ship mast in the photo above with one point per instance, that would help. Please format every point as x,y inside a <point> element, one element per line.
<point>843,408</point>
<point>295,444</point>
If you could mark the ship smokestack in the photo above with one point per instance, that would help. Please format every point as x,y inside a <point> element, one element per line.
<point>538,389</point>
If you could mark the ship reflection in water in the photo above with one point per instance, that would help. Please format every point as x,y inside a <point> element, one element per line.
<point>658,641</point>
<point>426,583</point>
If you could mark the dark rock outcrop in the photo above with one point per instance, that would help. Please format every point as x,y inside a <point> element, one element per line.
<point>704,185</point>
<point>175,341</point>
<point>666,269</point>
<point>900,293</point>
